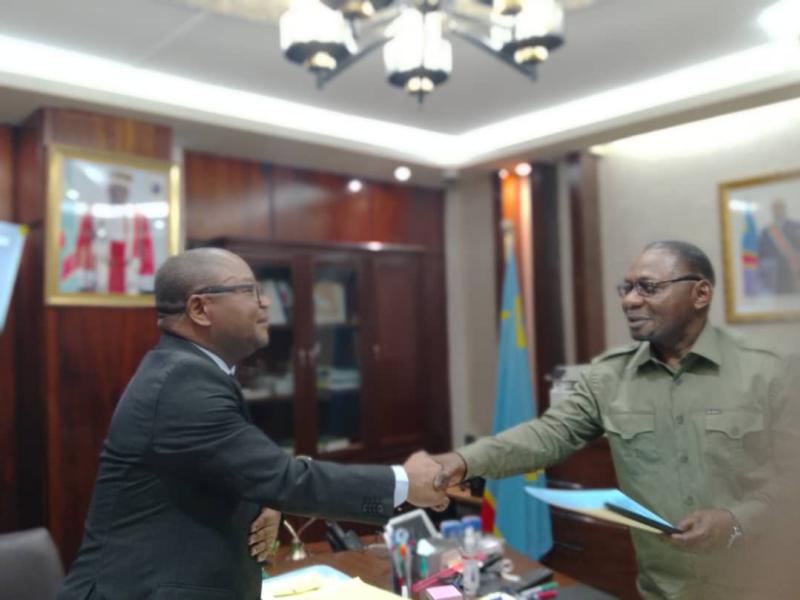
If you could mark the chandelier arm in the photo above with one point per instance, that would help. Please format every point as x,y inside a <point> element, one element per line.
<point>460,16</point>
<point>376,23</point>
<point>324,77</point>
<point>529,72</point>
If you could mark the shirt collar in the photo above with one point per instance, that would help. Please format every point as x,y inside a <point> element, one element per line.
<point>217,360</point>
<point>705,346</point>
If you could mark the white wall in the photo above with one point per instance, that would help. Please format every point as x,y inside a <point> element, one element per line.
<point>663,185</point>
<point>471,305</point>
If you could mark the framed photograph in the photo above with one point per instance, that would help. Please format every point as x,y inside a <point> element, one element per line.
<point>761,247</point>
<point>111,221</point>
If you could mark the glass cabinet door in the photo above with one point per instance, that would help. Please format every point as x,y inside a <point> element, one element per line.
<point>267,377</point>
<point>335,354</point>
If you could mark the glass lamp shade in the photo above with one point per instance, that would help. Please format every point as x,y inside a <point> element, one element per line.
<point>357,9</point>
<point>534,33</point>
<point>416,57</point>
<point>315,35</point>
<point>505,7</point>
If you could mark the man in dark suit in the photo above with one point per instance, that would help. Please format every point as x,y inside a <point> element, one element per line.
<point>184,472</point>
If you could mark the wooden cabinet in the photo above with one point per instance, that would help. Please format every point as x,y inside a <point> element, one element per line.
<point>342,376</point>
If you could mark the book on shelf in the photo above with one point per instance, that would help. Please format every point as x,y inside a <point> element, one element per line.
<point>277,312</point>
<point>329,303</point>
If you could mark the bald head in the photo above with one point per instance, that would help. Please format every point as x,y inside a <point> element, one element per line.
<point>184,273</point>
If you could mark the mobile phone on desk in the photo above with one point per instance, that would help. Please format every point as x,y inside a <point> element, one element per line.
<point>529,579</point>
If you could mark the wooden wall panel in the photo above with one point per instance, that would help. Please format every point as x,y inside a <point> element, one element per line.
<point>226,197</point>
<point>435,367</point>
<point>548,316</point>
<point>408,215</point>
<point>8,453</point>
<point>587,267</point>
<point>75,360</point>
<point>104,132</point>
<point>93,369</point>
<point>317,207</point>
<point>400,341</point>
<point>29,179</point>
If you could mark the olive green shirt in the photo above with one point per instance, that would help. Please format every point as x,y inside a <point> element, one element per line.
<point>707,435</point>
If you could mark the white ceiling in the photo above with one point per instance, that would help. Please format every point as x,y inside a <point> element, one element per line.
<point>610,44</point>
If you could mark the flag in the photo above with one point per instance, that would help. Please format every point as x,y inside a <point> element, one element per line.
<point>749,256</point>
<point>506,509</point>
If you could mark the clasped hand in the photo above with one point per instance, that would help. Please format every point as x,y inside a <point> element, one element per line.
<point>430,476</point>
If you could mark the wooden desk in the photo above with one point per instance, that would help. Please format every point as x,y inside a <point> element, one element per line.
<point>372,565</point>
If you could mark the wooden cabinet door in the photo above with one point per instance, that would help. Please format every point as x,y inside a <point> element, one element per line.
<point>337,352</point>
<point>396,351</point>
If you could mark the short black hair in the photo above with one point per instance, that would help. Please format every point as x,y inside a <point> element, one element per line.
<point>692,257</point>
<point>182,274</point>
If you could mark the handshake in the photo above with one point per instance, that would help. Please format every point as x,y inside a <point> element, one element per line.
<point>429,476</point>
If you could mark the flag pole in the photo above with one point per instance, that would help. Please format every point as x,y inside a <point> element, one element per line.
<point>507,229</point>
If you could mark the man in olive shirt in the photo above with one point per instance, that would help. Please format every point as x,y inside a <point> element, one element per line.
<point>695,421</point>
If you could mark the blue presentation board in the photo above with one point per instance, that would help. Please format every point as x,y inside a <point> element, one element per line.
<point>12,238</point>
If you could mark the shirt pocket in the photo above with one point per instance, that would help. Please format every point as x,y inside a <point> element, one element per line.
<point>632,438</point>
<point>735,438</point>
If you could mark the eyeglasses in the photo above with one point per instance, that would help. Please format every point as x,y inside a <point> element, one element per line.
<point>243,288</point>
<point>647,287</point>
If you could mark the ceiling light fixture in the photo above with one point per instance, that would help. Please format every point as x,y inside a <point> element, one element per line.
<point>354,186</point>
<point>523,169</point>
<point>402,173</point>
<point>328,36</point>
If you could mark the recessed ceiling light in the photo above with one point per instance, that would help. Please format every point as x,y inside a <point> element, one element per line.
<point>781,20</point>
<point>355,186</point>
<point>523,169</point>
<point>402,173</point>
<point>502,173</point>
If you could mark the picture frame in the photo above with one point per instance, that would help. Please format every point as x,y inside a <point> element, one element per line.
<point>760,218</point>
<point>111,221</point>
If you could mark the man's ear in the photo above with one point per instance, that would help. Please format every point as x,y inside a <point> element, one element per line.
<point>196,311</point>
<point>703,294</point>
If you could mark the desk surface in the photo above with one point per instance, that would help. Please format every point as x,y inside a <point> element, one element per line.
<point>372,564</point>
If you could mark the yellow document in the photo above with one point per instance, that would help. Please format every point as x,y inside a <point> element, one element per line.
<point>352,589</point>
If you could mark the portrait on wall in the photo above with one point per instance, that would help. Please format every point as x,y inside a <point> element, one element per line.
<point>761,247</point>
<point>112,220</point>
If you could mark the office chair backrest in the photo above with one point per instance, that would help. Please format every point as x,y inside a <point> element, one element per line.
<point>30,567</point>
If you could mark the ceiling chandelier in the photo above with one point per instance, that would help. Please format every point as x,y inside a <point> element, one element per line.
<point>328,36</point>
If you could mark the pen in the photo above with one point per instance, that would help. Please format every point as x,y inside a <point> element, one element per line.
<point>543,595</point>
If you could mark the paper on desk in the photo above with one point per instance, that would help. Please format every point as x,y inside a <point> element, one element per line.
<point>331,589</point>
<point>300,581</point>
<point>593,503</point>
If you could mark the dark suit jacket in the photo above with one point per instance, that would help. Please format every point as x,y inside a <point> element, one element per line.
<point>182,474</point>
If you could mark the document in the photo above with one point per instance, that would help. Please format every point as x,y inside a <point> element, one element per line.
<point>12,238</point>
<point>605,504</point>
<point>320,582</point>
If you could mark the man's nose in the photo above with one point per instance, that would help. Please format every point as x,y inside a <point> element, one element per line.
<point>632,299</point>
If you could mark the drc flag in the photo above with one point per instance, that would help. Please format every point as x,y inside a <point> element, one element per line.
<point>507,510</point>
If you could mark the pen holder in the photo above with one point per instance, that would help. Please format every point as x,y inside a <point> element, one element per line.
<point>405,568</point>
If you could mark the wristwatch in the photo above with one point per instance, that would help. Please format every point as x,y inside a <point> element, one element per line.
<point>736,533</point>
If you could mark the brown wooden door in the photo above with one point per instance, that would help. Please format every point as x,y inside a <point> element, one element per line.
<point>396,349</point>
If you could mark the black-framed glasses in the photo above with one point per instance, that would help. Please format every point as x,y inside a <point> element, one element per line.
<point>242,288</point>
<point>648,287</point>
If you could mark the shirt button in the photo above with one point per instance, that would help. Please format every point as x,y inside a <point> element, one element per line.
<point>689,500</point>
<point>679,419</point>
<point>684,458</point>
